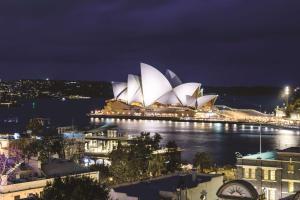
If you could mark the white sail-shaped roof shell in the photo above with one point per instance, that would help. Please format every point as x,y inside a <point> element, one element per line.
<point>186,89</point>
<point>191,101</point>
<point>173,78</point>
<point>154,84</point>
<point>134,89</point>
<point>123,96</point>
<point>118,88</point>
<point>169,98</point>
<point>201,101</point>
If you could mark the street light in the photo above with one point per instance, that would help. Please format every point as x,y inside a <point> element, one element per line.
<point>287,94</point>
<point>287,90</point>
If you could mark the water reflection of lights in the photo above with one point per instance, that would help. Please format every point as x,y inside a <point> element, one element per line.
<point>286,139</point>
<point>217,127</point>
<point>234,127</point>
<point>243,126</point>
<point>284,131</point>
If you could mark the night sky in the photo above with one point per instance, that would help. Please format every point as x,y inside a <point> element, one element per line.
<point>215,42</point>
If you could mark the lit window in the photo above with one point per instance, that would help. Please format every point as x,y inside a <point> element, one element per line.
<point>266,174</point>
<point>252,173</point>
<point>249,173</point>
<point>290,168</point>
<point>291,186</point>
<point>269,174</point>
<point>272,175</point>
<point>246,172</point>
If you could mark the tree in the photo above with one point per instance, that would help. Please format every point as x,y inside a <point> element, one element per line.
<point>27,146</point>
<point>202,160</point>
<point>136,161</point>
<point>173,159</point>
<point>156,165</point>
<point>75,188</point>
<point>156,140</point>
<point>104,172</point>
<point>35,126</point>
<point>8,164</point>
<point>46,147</point>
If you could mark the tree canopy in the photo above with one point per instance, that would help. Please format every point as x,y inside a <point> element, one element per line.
<point>202,160</point>
<point>75,188</point>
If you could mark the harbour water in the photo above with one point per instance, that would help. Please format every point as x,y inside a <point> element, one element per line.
<point>220,140</point>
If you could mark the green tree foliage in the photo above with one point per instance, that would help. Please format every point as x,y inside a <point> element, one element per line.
<point>202,160</point>
<point>156,165</point>
<point>43,148</point>
<point>173,159</point>
<point>136,161</point>
<point>35,126</point>
<point>75,188</point>
<point>49,146</point>
<point>104,172</point>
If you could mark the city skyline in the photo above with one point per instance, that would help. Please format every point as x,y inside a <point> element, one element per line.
<point>217,42</point>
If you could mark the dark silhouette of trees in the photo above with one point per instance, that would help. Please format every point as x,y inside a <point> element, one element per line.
<point>202,160</point>
<point>173,159</point>
<point>75,188</point>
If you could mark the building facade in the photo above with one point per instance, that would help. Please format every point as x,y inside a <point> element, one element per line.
<point>99,143</point>
<point>274,174</point>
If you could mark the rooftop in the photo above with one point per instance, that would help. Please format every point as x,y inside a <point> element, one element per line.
<point>60,167</point>
<point>150,189</point>
<point>269,155</point>
<point>272,155</point>
<point>290,150</point>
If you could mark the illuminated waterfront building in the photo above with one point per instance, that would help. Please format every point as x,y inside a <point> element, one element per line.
<point>156,95</point>
<point>99,143</point>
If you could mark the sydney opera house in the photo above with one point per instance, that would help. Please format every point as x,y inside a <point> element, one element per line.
<point>154,94</point>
